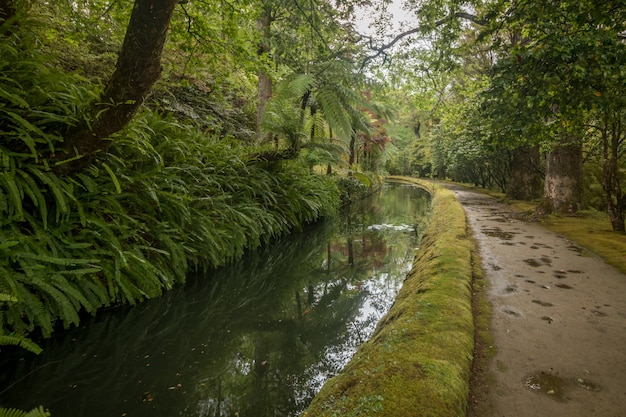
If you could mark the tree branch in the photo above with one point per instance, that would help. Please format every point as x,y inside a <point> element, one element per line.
<point>138,68</point>
<point>457,15</point>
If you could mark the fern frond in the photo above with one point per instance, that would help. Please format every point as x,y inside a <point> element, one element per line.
<point>12,412</point>
<point>31,188</point>
<point>15,339</point>
<point>297,86</point>
<point>7,181</point>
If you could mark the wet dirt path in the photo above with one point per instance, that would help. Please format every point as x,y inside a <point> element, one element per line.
<point>559,320</point>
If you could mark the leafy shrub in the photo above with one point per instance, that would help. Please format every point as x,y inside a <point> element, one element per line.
<point>165,200</point>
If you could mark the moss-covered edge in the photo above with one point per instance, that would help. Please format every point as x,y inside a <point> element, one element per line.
<point>418,361</point>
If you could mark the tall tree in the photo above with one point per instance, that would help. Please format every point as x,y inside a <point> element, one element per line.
<point>264,27</point>
<point>552,77</point>
<point>138,68</point>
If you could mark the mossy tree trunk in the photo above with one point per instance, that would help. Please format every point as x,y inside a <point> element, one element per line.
<point>525,177</point>
<point>138,68</point>
<point>563,183</point>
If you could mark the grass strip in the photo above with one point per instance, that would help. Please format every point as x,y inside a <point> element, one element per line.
<point>418,361</point>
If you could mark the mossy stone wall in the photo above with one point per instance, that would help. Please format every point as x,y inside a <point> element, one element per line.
<point>418,361</point>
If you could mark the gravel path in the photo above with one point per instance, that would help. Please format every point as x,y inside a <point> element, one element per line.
<point>559,320</point>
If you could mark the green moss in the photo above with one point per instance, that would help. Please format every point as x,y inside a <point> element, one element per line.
<point>418,360</point>
<point>592,230</point>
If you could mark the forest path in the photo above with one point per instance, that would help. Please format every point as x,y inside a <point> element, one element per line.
<point>559,321</point>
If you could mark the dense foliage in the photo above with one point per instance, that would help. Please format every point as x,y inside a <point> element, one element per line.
<point>180,185</point>
<point>517,95</point>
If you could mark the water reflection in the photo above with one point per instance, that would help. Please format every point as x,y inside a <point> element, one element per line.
<point>258,338</point>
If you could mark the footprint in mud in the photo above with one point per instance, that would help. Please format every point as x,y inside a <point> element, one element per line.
<point>543,303</point>
<point>510,289</point>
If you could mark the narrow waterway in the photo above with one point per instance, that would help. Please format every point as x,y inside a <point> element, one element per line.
<point>257,338</point>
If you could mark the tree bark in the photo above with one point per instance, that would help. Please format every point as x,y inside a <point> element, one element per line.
<point>264,81</point>
<point>352,156</point>
<point>137,69</point>
<point>525,179</point>
<point>615,198</point>
<point>563,184</point>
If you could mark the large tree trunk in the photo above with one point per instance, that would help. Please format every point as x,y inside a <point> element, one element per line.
<point>563,183</point>
<point>525,176</point>
<point>615,198</point>
<point>264,81</point>
<point>137,69</point>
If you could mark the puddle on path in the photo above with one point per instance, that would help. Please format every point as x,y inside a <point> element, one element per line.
<point>563,286</point>
<point>543,303</point>
<point>512,313</point>
<point>499,233</point>
<point>532,262</point>
<point>557,387</point>
<point>546,260</point>
<point>546,383</point>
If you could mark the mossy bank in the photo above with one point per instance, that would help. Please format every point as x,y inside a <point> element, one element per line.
<point>418,361</point>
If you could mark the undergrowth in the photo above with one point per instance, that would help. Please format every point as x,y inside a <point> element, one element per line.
<point>165,200</point>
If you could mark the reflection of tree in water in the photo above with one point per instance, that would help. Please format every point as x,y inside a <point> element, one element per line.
<point>257,338</point>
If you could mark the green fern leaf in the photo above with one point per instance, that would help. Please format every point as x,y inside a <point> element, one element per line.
<point>15,339</point>
<point>15,203</point>
<point>51,181</point>
<point>12,412</point>
<point>116,182</point>
<point>31,188</point>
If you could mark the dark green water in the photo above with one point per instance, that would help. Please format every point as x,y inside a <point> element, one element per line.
<point>257,338</point>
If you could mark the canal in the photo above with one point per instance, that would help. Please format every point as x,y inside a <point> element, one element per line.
<point>256,338</point>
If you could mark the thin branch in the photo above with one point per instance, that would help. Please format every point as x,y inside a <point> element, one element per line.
<point>382,49</point>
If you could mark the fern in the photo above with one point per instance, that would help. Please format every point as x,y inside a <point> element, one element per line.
<point>12,412</point>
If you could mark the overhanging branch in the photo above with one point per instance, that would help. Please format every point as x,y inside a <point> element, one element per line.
<point>457,15</point>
